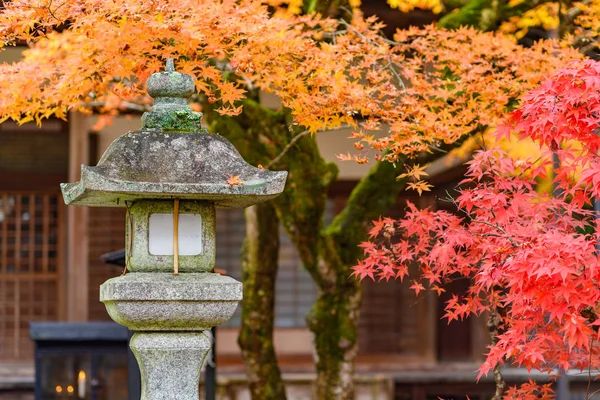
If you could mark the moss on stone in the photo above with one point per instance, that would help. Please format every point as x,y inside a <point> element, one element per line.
<point>177,120</point>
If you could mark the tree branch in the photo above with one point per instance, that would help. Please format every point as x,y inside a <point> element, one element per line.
<point>498,228</point>
<point>294,140</point>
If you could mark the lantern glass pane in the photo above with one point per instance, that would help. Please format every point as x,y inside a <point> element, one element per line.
<point>160,237</point>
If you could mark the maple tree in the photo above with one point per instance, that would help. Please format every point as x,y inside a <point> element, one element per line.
<point>429,87</point>
<point>531,257</point>
<point>354,79</point>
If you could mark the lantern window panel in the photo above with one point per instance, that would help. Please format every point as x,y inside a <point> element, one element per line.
<point>160,236</point>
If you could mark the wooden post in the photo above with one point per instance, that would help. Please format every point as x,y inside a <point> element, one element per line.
<point>77,225</point>
<point>176,237</point>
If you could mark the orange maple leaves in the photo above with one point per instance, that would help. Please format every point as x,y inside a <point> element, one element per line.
<point>234,180</point>
<point>425,87</point>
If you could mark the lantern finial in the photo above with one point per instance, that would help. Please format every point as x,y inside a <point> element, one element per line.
<point>170,67</point>
<point>171,91</point>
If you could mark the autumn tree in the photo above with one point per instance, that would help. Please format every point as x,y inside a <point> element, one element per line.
<point>95,55</point>
<point>531,257</point>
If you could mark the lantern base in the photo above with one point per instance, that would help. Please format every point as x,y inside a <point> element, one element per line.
<point>170,363</point>
<point>160,301</point>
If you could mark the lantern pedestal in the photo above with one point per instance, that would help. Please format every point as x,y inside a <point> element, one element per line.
<point>170,363</point>
<point>170,313</point>
<point>161,301</point>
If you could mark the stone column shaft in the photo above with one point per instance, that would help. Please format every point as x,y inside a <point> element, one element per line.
<point>170,363</point>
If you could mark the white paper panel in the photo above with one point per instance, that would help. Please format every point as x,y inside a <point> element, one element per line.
<point>161,234</point>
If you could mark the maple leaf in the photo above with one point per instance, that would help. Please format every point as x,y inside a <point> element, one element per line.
<point>234,180</point>
<point>419,186</point>
<point>417,287</point>
<point>413,171</point>
<point>521,251</point>
<point>325,84</point>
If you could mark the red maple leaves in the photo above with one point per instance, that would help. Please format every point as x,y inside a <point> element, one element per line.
<point>531,257</point>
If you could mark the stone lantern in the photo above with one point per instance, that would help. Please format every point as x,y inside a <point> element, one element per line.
<point>170,176</point>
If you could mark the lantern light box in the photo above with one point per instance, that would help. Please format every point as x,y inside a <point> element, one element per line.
<point>161,234</point>
<point>151,226</point>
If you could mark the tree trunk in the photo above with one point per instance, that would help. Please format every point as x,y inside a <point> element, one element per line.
<point>259,272</point>
<point>327,253</point>
<point>334,317</point>
<point>493,325</point>
<point>260,253</point>
<point>333,321</point>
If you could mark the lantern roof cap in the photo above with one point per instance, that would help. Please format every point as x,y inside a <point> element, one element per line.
<point>172,157</point>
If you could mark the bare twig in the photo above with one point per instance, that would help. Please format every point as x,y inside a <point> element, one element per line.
<point>286,148</point>
<point>498,228</point>
<point>390,64</point>
<point>594,393</point>
<point>432,147</point>
<point>587,393</point>
<point>55,10</point>
<point>127,105</point>
<point>294,140</point>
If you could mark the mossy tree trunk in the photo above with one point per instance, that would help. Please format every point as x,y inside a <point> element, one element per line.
<point>328,255</point>
<point>336,333</point>
<point>259,273</point>
<point>328,252</point>
<point>259,256</point>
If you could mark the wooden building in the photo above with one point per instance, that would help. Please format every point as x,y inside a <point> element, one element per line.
<point>50,270</point>
<point>50,266</point>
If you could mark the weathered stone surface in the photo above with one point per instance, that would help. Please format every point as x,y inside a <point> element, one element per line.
<point>151,164</point>
<point>162,301</point>
<point>172,157</point>
<point>166,286</point>
<point>171,112</point>
<point>140,259</point>
<point>170,89</point>
<point>170,364</point>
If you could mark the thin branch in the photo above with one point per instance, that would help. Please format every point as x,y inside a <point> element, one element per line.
<point>510,239</point>
<point>390,63</point>
<point>487,235</point>
<point>594,393</point>
<point>432,147</point>
<point>126,105</point>
<point>294,140</point>
<point>497,227</point>
<point>587,394</point>
<point>55,10</point>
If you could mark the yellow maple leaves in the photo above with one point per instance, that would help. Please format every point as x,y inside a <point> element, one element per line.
<point>426,86</point>
<point>408,5</point>
<point>415,171</point>
<point>419,186</point>
<point>544,15</point>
